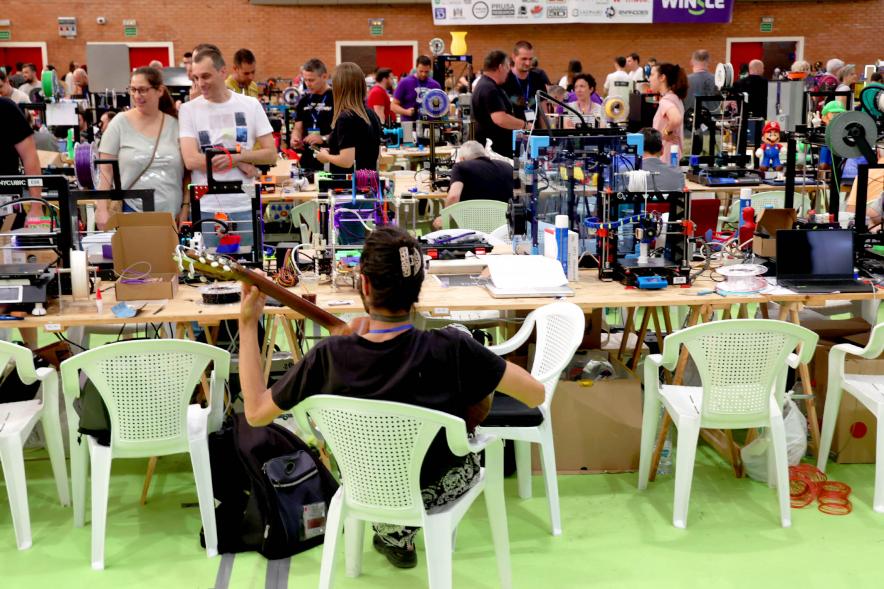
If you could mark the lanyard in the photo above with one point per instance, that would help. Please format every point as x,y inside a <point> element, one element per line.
<point>392,329</point>
<point>526,90</point>
<point>315,114</point>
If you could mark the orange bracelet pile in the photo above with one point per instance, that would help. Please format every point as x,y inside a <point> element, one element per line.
<point>807,482</point>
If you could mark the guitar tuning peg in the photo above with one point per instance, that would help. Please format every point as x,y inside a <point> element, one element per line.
<point>190,272</point>
<point>226,268</point>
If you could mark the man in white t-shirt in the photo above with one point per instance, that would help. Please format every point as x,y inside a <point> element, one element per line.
<point>14,94</point>
<point>636,72</point>
<point>618,82</point>
<point>223,119</point>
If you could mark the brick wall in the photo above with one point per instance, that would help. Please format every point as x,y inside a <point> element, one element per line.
<point>283,37</point>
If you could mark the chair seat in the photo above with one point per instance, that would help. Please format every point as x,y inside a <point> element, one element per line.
<point>18,417</point>
<point>508,412</point>
<point>868,388</point>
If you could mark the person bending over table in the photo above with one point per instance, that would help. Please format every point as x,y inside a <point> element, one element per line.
<point>145,141</point>
<point>356,131</point>
<point>386,358</point>
<point>478,177</point>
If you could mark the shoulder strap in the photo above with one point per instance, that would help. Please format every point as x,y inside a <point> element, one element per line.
<point>152,155</point>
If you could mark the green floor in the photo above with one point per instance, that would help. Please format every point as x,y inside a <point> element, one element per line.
<point>614,536</point>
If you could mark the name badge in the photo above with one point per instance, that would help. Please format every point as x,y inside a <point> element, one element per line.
<point>529,116</point>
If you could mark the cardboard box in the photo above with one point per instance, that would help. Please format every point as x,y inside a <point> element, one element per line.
<point>145,242</point>
<point>856,427</point>
<point>597,428</point>
<point>832,330</point>
<point>50,158</point>
<point>769,222</point>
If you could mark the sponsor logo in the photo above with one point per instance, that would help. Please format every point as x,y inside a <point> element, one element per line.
<point>695,7</point>
<point>610,12</point>
<point>503,9</point>
<point>537,10</point>
<point>587,13</point>
<point>480,10</point>
<point>439,13</point>
<point>633,12</point>
<point>457,13</point>
<point>523,11</point>
<point>556,12</point>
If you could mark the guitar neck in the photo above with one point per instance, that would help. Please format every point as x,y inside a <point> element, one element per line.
<point>289,299</point>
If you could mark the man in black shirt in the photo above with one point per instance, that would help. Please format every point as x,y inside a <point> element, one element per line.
<point>313,115</point>
<point>385,358</point>
<point>756,87</point>
<point>492,110</point>
<point>523,81</point>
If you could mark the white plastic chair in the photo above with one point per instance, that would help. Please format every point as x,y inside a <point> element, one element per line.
<point>480,215</point>
<point>868,390</point>
<point>380,447</point>
<point>560,328</point>
<point>146,386</point>
<point>17,420</point>
<point>775,199</point>
<point>742,365</point>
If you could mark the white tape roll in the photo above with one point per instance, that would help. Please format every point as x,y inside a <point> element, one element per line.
<point>79,275</point>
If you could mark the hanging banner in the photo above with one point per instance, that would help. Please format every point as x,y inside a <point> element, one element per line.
<point>526,12</point>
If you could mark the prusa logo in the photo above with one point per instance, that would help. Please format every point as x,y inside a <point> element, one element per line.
<point>503,9</point>
<point>439,13</point>
<point>556,12</point>
<point>480,10</point>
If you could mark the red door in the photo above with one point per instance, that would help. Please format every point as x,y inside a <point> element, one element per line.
<point>142,56</point>
<point>399,58</point>
<point>744,52</point>
<point>9,56</point>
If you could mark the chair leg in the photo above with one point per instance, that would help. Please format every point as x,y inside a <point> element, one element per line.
<point>101,469</point>
<point>354,536</point>
<point>79,474</point>
<point>650,422</point>
<point>495,504</point>
<point>685,453</point>
<point>202,474</point>
<point>13,460</point>
<point>550,477</point>
<point>333,529</point>
<point>523,468</point>
<point>52,435</point>
<point>878,500</point>
<point>833,404</point>
<point>781,460</point>
<point>437,541</point>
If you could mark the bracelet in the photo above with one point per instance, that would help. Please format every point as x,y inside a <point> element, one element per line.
<point>185,204</point>
<point>229,157</point>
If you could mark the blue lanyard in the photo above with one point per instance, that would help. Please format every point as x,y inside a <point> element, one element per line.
<point>526,91</point>
<point>392,329</point>
<point>315,114</point>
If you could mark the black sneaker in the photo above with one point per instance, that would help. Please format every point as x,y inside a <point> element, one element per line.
<point>402,558</point>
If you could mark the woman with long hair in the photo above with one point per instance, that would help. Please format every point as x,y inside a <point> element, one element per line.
<point>145,141</point>
<point>671,82</point>
<point>355,140</point>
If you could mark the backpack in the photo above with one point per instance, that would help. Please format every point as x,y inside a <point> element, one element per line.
<point>272,492</point>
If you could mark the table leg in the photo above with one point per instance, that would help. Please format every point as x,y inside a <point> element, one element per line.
<point>640,339</point>
<point>271,341</point>
<point>627,328</point>
<point>151,468</point>
<point>291,337</point>
<point>765,313</point>
<point>667,319</point>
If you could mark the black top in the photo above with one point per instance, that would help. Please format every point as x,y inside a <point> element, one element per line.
<point>522,94</point>
<point>484,178</point>
<point>490,98</point>
<point>756,87</point>
<point>442,369</point>
<point>315,111</point>
<point>15,130</point>
<point>351,130</point>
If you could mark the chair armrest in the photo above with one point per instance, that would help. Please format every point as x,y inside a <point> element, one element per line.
<point>480,441</point>
<point>521,336</point>
<point>45,372</point>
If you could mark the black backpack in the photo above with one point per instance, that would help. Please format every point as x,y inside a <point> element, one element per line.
<point>272,490</point>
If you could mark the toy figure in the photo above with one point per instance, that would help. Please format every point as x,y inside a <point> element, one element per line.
<point>831,110</point>
<point>771,150</point>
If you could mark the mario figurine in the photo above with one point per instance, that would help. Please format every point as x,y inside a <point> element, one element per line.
<point>771,150</point>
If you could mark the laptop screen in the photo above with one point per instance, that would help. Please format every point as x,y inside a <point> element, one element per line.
<point>814,254</point>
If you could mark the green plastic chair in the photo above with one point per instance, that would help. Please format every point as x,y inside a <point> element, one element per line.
<point>760,200</point>
<point>868,389</point>
<point>743,366</point>
<point>478,215</point>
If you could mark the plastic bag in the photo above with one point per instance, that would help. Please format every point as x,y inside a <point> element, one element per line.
<point>754,454</point>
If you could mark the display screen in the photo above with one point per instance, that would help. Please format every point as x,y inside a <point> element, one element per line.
<point>816,254</point>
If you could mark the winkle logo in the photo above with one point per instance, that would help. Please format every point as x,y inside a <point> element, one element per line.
<point>695,7</point>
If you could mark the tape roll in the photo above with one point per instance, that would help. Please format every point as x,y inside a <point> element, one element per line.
<point>221,293</point>
<point>742,279</point>
<point>85,166</point>
<point>872,98</point>
<point>291,96</point>
<point>79,275</point>
<point>724,76</point>
<point>49,81</point>
<point>615,109</point>
<point>435,103</point>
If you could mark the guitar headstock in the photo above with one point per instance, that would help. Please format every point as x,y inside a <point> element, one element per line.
<point>210,265</point>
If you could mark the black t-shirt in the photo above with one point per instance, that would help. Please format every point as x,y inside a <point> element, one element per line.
<point>15,130</point>
<point>314,111</point>
<point>489,98</point>
<point>351,130</point>
<point>756,87</point>
<point>522,94</point>
<point>441,369</point>
<point>484,178</point>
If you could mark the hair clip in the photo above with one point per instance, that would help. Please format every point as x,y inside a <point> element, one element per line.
<point>405,260</point>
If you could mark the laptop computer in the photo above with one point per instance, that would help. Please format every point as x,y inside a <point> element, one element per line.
<point>817,261</point>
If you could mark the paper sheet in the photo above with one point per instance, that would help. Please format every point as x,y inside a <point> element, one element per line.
<point>525,272</point>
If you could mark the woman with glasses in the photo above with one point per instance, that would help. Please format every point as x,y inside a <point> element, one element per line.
<point>145,141</point>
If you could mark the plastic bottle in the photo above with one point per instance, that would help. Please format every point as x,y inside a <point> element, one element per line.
<point>745,201</point>
<point>562,241</point>
<point>673,156</point>
<point>664,467</point>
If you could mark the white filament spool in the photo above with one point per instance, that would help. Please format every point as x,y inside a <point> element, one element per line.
<point>742,279</point>
<point>79,275</point>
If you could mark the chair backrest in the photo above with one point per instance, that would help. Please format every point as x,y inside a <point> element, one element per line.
<point>305,214</point>
<point>379,447</point>
<point>478,215</point>
<point>741,363</point>
<point>22,357</point>
<point>147,386</point>
<point>774,199</point>
<point>560,327</point>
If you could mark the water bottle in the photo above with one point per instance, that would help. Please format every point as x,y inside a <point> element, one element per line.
<point>664,467</point>
<point>745,201</point>
<point>562,241</point>
<point>673,156</point>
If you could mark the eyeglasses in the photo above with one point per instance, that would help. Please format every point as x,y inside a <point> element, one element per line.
<point>140,91</point>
